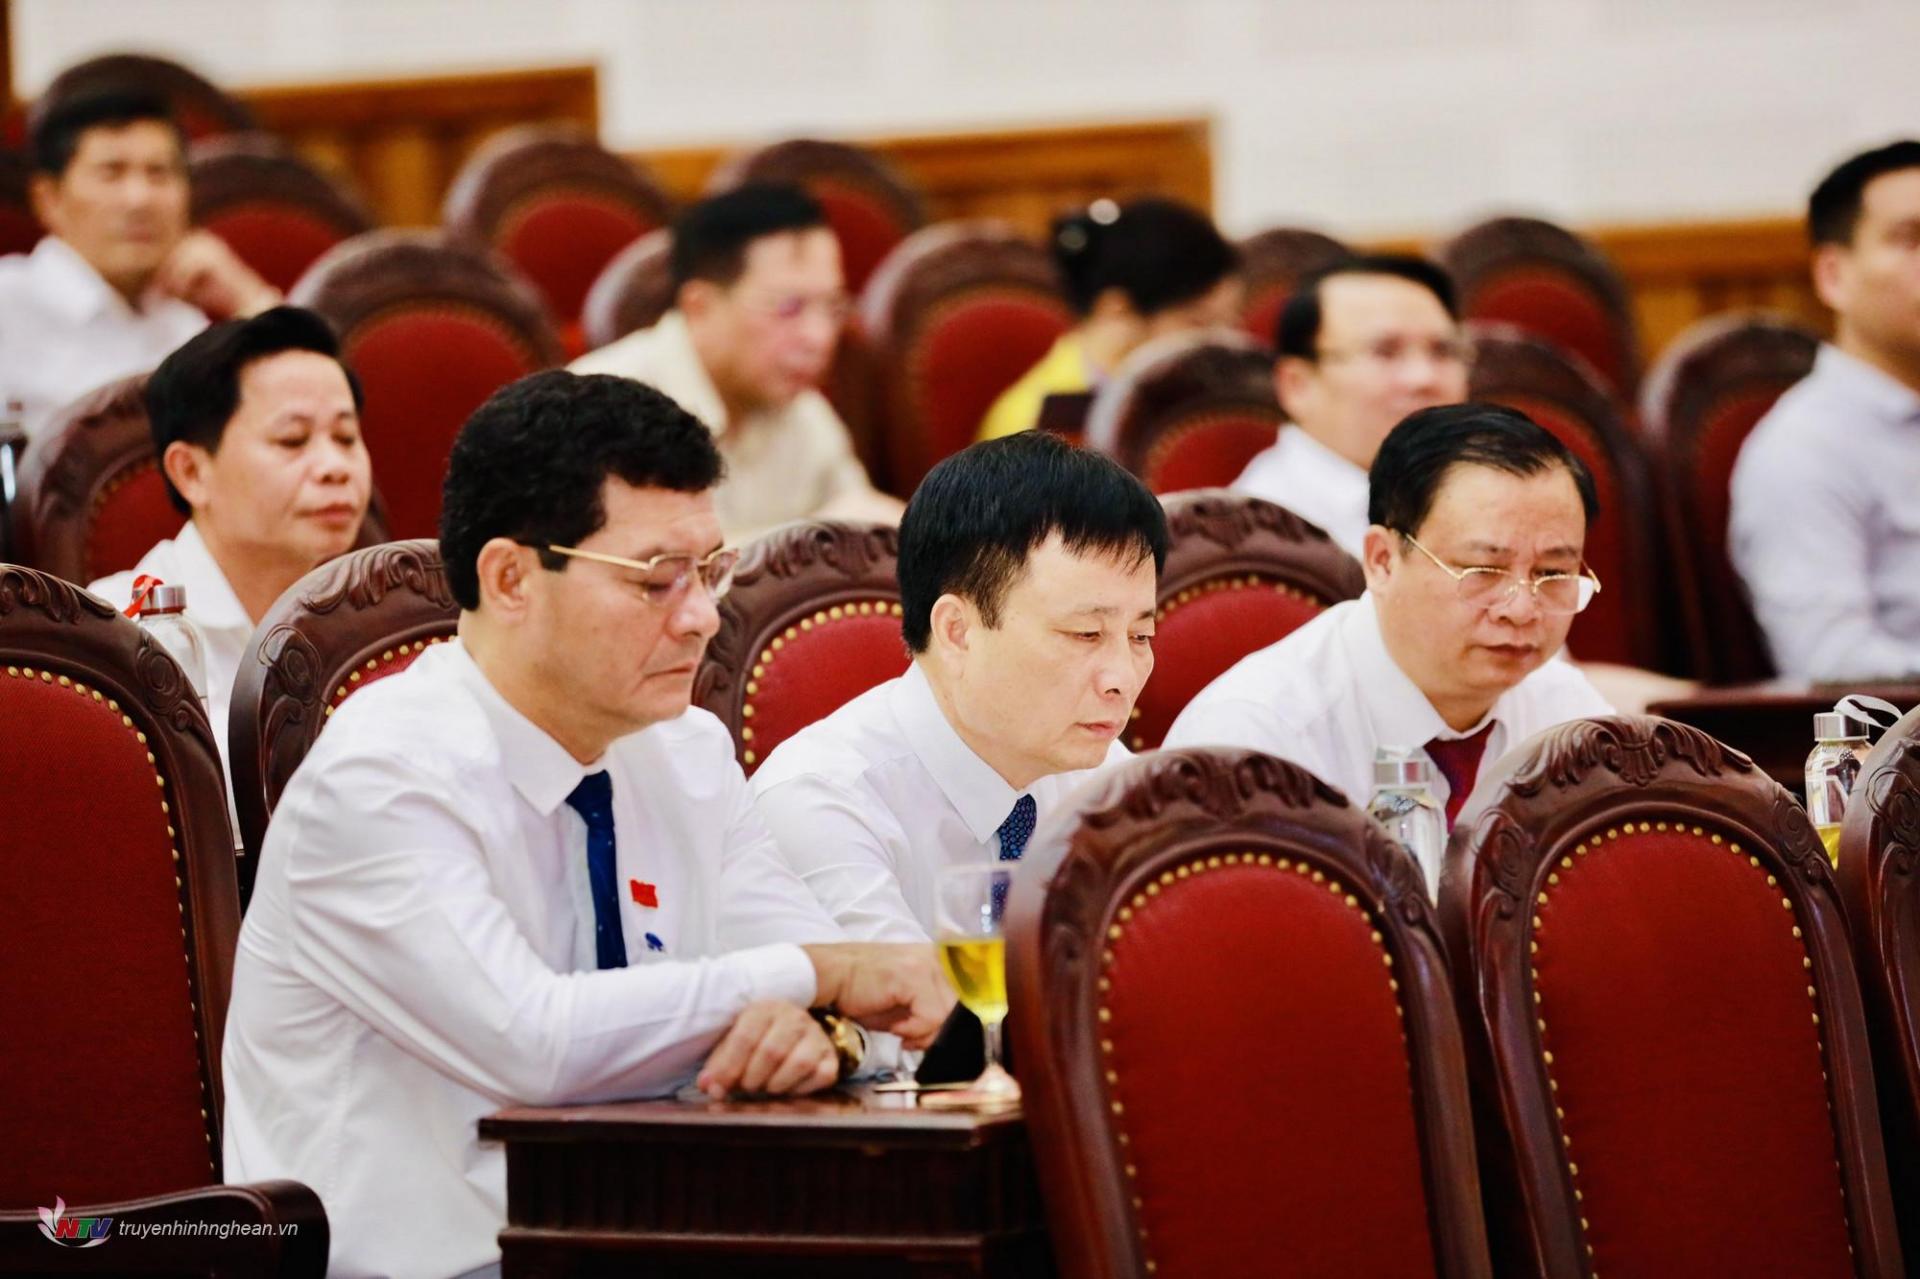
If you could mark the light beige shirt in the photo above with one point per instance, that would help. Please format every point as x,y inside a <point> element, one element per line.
<point>783,464</point>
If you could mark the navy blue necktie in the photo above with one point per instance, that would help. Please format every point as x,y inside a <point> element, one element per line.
<point>1017,829</point>
<point>593,800</point>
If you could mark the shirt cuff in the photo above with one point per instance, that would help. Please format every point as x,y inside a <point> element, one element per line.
<point>777,972</point>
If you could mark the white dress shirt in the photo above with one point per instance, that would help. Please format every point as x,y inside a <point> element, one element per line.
<point>1824,527</point>
<point>871,803</point>
<point>788,463</point>
<point>1328,694</point>
<point>419,952</point>
<point>1315,483</point>
<point>64,330</point>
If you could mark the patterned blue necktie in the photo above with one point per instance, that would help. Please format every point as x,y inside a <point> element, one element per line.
<point>593,800</point>
<point>1017,829</point>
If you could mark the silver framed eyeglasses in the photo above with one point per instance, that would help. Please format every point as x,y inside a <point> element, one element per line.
<point>665,578</point>
<point>1494,587</point>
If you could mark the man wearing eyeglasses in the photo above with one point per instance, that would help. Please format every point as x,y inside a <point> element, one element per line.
<point>1474,573</point>
<point>1361,345</point>
<point>759,305</point>
<point>523,870</point>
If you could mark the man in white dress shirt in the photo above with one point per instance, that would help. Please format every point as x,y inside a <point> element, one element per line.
<point>1474,573</point>
<point>1824,527</point>
<point>120,279</point>
<point>1027,582</point>
<point>523,870</point>
<point>256,424</point>
<point>1361,345</point>
<point>759,305</point>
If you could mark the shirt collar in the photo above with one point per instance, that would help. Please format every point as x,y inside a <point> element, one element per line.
<point>1397,711</point>
<point>68,283</point>
<point>540,768</point>
<point>979,794</point>
<point>1304,450</point>
<point>1883,394</point>
<point>693,386</point>
<point>210,598</point>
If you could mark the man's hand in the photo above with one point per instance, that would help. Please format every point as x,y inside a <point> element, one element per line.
<point>897,988</point>
<point>202,270</point>
<point>774,1049</point>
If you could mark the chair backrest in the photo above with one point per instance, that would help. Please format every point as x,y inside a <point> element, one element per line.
<point>1188,410</point>
<point>203,109</point>
<point>1557,286</point>
<point>1271,263</point>
<point>1561,394</point>
<point>558,206</point>
<point>957,314</point>
<point>1705,394</point>
<point>121,910</point>
<point>631,292</point>
<point>812,621</point>
<point>870,206</point>
<point>276,210</point>
<point>1241,574</point>
<point>352,621</point>
<point>1237,1045</point>
<point>20,230</point>
<point>432,329</point>
<point>1645,930</point>
<point>1879,843</point>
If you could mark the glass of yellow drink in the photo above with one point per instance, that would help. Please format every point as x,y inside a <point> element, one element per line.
<point>973,950</point>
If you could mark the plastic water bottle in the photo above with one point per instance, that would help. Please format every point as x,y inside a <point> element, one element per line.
<point>1403,801</point>
<point>162,609</point>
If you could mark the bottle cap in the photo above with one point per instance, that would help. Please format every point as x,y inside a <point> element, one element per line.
<point>1835,726</point>
<point>164,598</point>
<point>1401,766</point>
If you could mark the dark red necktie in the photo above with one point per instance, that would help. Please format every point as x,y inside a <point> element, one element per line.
<point>1458,759</point>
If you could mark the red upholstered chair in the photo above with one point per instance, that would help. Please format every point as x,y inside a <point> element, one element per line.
<point>1235,1033</point>
<point>957,314</point>
<point>1561,393</point>
<point>1272,262</point>
<point>1241,574</point>
<point>432,329</point>
<point>20,230</point>
<point>360,618</point>
<point>202,108</point>
<point>1648,945</point>
<point>631,292</point>
<point>1188,410</point>
<point>1552,283</point>
<point>558,206</point>
<point>276,210</point>
<point>1706,392</point>
<point>812,622</point>
<point>870,206</point>
<point>117,954</point>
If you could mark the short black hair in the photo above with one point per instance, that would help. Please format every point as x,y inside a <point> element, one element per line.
<point>1833,210</point>
<point>1159,252</point>
<point>1297,330</point>
<point>710,239</point>
<point>977,516</point>
<point>531,464</point>
<point>1417,454</point>
<point>59,123</point>
<point>193,394</point>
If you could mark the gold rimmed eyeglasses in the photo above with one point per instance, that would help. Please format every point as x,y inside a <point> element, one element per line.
<point>664,578</point>
<point>1494,587</point>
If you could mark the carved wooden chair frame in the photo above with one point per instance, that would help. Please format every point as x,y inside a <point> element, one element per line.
<point>806,160</point>
<point>1172,388</point>
<point>632,292</point>
<point>1278,258</point>
<point>246,168</point>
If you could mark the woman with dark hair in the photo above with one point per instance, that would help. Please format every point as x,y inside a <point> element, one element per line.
<point>1132,272</point>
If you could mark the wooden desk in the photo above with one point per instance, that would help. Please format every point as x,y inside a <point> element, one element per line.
<point>1773,721</point>
<point>865,1184</point>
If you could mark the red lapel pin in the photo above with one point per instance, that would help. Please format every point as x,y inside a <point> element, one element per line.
<point>644,894</point>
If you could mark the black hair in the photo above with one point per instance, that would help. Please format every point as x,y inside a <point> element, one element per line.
<point>59,123</point>
<point>1417,454</point>
<point>710,239</point>
<point>193,394</point>
<point>1833,210</point>
<point>1160,253</point>
<point>1297,330</point>
<point>977,516</point>
<point>532,462</point>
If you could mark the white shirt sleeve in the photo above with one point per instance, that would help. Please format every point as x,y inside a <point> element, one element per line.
<point>840,846</point>
<point>393,913</point>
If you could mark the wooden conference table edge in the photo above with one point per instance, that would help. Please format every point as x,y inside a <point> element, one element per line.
<point>1772,721</point>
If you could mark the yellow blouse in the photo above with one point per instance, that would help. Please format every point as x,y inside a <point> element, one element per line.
<point>1062,371</point>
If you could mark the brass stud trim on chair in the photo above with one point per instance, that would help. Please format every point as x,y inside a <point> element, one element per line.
<point>820,617</point>
<point>374,664</point>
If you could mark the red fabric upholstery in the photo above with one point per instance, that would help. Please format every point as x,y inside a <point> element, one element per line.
<point>1262,313</point>
<point>391,662</point>
<point>19,232</point>
<point>279,241</point>
<point>866,228</point>
<point>979,344</point>
<point>425,370</point>
<point>1559,309</point>
<point>1321,1133</point>
<point>562,239</point>
<point>1688,1062</point>
<point>1208,450</point>
<point>130,518</point>
<point>816,669</point>
<point>93,967</point>
<point>1202,632</point>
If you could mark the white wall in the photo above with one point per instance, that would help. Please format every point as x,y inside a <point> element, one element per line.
<point>1362,116</point>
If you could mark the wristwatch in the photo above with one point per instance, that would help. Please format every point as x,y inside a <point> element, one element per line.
<point>848,1039</point>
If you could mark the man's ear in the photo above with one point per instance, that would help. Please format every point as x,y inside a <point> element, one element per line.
<point>1830,262</point>
<point>506,570</point>
<point>1379,555</point>
<point>43,191</point>
<point>951,624</point>
<point>1291,378</point>
<point>188,468</point>
<point>696,298</point>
